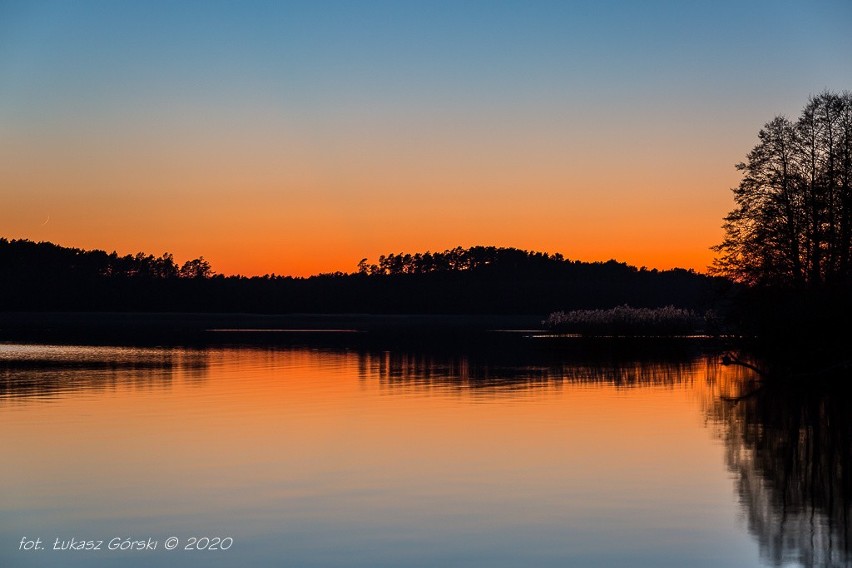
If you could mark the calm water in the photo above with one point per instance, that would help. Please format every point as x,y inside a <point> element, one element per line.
<point>333,457</point>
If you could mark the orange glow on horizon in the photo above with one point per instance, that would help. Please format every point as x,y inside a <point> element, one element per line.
<point>327,254</point>
<point>305,236</point>
<point>262,202</point>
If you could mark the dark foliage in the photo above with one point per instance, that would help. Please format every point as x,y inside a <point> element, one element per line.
<point>45,276</point>
<point>793,222</point>
<point>789,239</point>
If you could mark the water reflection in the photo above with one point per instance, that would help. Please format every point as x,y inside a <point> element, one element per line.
<point>396,370</point>
<point>48,370</point>
<point>363,456</point>
<point>791,452</point>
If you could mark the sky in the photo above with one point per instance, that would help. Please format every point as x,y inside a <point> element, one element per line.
<point>299,137</point>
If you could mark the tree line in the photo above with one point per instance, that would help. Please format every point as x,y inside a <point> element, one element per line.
<point>461,259</point>
<point>46,276</point>
<point>19,257</point>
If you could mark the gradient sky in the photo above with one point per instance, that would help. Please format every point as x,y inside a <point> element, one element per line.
<point>299,137</point>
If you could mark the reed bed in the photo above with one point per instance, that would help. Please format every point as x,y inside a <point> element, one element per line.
<point>625,321</point>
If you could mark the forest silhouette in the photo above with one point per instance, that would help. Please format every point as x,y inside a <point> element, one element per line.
<point>477,280</point>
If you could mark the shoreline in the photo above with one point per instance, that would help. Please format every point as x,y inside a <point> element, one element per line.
<point>167,327</point>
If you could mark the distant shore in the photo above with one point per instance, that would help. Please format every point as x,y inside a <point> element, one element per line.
<point>215,326</point>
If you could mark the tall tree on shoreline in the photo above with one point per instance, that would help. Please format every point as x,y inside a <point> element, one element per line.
<point>792,225</point>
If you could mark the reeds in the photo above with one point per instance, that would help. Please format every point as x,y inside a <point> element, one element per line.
<point>625,321</point>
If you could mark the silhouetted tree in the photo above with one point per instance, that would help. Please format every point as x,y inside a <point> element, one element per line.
<point>196,268</point>
<point>792,225</point>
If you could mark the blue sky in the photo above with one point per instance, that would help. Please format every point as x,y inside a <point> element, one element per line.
<point>380,104</point>
<point>457,51</point>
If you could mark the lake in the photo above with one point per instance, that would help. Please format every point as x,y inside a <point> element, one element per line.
<point>316,454</point>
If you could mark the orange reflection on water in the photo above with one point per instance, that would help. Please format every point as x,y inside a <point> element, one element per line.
<point>255,414</point>
<point>261,441</point>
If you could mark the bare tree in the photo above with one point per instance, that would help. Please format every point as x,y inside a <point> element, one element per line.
<point>793,216</point>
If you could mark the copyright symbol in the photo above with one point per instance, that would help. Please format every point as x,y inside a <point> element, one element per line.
<point>172,543</point>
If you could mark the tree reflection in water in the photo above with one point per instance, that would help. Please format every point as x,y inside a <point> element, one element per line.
<point>790,450</point>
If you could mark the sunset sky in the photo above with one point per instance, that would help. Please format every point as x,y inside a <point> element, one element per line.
<point>299,137</point>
